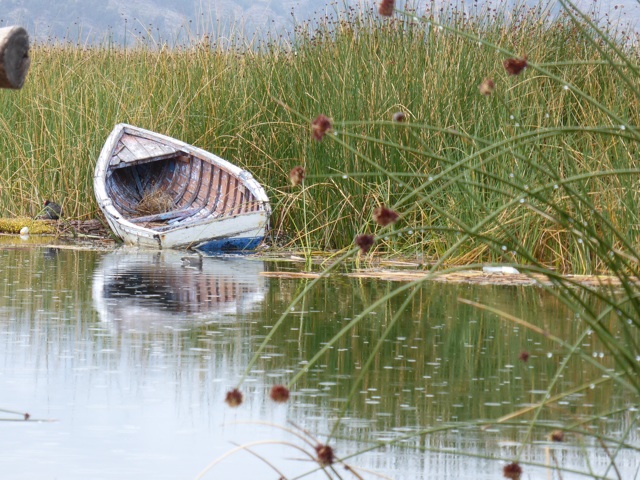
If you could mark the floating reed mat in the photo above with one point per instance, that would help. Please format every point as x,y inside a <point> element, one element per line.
<point>36,227</point>
<point>290,274</point>
<point>484,278</point>
<point>477,277</point>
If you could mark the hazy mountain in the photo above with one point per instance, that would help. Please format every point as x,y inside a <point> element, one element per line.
<point>177,21</point>
<point>169,20</point>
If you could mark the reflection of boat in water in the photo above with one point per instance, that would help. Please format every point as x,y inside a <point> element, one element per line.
<point>143,289</point>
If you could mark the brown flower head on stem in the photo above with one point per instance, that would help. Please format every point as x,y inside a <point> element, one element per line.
<point>487,86</point>
<point>514,66</point>
<point>325,455</point>
<point>399,117</point>
<point>557,436</point>
<point>320,126</point>
<point>296,175</point>
<point>524,356</point>
<point>234,398</point>
<point>365,242</point>
<point>512,471</point>
<point>384,216</point>
<point>279,393</point>
<point>386,8</point>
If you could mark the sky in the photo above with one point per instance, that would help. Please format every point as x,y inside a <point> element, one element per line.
<point>179,21</point>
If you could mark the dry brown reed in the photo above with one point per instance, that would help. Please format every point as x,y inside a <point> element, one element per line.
<point>155,201</point>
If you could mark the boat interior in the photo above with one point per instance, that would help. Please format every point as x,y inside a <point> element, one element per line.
<point>171,190</point>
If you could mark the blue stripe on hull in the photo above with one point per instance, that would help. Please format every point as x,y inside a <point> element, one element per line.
<point>233,245</point>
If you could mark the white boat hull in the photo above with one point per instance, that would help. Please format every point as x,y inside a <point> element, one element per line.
<point>215,205</point>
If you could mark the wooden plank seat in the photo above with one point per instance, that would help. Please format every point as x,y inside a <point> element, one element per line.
<point>174,215</point>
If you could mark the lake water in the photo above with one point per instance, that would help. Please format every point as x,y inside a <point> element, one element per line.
<point>122,359</point>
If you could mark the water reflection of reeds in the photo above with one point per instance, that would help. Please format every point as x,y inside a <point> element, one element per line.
<point>442,362</point>
<point>444,359</point>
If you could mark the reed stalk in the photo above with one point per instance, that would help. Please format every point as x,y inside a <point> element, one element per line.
<point>526,176</point>
<point>227,97</point>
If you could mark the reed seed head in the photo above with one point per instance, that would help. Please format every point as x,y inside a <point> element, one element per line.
<point>514,66</point>
<point>320,126</point>
<point>279,393</point>
<point>557,436</point>
<point>386,8</point>
<point>234,398</point>
<point>325,455</point>
<point>399,117</point>
<point>296,175</point>
<point>384,216</point>
<point>487,86</point>
<point>365,242</point>
<point>512,471</point>
<point>524,356</point>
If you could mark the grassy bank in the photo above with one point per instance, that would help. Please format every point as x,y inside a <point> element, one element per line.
<point>545,133</point>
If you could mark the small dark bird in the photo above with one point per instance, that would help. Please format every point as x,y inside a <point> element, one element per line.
<point>192,262</point>
<point>51,211</point>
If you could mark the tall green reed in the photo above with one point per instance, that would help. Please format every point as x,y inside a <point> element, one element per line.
<point>539,174</point>
<point>228,98</point>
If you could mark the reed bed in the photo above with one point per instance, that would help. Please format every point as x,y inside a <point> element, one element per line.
<point>510,141</point>
<point>251,103</point>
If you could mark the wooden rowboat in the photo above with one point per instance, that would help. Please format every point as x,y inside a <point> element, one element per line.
<point>158,192</point>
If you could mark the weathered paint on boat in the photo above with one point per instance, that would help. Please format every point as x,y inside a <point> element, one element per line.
<point>216,206</point>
